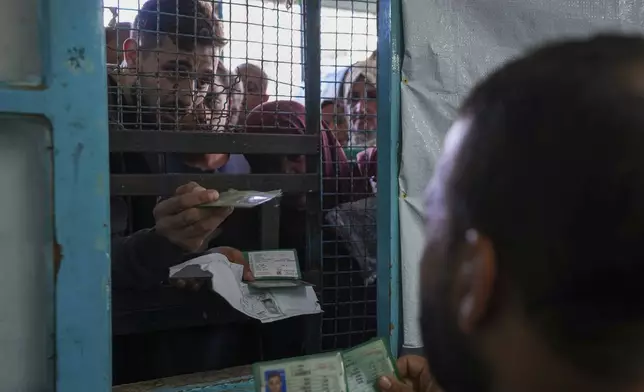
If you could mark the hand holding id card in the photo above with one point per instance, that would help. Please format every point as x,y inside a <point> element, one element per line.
<point>354,370</point>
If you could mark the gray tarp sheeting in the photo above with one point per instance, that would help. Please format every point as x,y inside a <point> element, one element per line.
<point>449,46</point>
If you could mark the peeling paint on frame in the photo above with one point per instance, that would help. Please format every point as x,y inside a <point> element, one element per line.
<point>71,95</point>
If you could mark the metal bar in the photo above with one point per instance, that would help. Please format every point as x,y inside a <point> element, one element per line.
<point>23,101</point>
<point>312,16</point>
<point>166,184</point>
<point>220,9</point>
<point>76,104</point>
<point>390,41</point>
<point>201,142</point>
<point>270,225</point>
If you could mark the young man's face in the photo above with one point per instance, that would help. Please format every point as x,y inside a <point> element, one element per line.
<point>174,82</point>
<point>275,384</point>
<point>363,106</point>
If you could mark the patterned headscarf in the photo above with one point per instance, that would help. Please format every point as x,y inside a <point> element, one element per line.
<point>340,181</point>
<point>368,69</point>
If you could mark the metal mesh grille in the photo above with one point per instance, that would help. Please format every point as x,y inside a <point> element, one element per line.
<point>254,44</point>
<point>208,72</point>
<point>348,40</point>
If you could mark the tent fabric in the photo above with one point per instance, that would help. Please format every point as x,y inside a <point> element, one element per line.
<point>449,46</point>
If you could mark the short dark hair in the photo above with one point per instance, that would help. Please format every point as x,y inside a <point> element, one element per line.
<point>188,23</point>
<point>273,374</point>
<point>552,171</point>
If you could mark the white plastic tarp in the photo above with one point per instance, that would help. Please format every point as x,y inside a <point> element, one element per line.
<point>449,46</point>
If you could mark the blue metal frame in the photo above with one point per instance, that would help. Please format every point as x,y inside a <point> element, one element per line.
<point>73,98</point>
<point>390,43</point>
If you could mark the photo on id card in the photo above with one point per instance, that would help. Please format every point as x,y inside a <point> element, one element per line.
<point>322,372</point>
<point>354,370</point>
<point>275,380</point>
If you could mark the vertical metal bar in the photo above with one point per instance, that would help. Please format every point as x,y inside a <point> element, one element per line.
<point>390,41</point>
<point>269,223</point>
<point>77,109</point>
<point>312,15</point>
<point>311,11</point>
<point>303,38</point>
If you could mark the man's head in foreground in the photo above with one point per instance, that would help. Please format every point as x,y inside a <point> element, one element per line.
<point>174,49</point>
<point>255,82</point>
<point>532,271</point>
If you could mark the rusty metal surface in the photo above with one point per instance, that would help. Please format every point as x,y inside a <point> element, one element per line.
<point>238,378</point>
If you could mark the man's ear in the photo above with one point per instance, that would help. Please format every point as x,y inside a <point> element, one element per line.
<point>130,49</point>
<point>475,281</point>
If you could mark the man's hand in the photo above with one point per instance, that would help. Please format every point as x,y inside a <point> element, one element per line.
<point>205,162</point>
<point>414,374</point>
<point>182,223</point>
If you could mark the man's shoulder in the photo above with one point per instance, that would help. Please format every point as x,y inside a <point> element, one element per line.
<point>116,99</point>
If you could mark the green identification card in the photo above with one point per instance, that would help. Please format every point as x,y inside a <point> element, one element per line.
<point>242,199</point>
<point>353,370</point>
<point>278,268</point>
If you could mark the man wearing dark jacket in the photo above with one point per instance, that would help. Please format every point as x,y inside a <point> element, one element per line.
<point>168,69</point>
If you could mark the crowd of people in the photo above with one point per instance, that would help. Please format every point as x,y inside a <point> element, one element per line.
<point>172,77</point>
<point>530,275</point>
<point>171,80</point>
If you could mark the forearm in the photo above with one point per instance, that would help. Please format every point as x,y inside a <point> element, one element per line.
<point>142,259</point>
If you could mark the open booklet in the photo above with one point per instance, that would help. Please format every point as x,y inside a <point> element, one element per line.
<point>354,370</point>
<point>275,269</point>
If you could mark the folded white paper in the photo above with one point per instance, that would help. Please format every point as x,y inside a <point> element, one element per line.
<point>264,305</point>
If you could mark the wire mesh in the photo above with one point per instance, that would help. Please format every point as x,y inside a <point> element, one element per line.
<point>218,69</point>
<point>184,65</point>
<point>238,66</point>
<point>348,106</point>
<point>254,45</point>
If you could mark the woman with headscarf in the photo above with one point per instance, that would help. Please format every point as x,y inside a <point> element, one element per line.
<point>333,109</point>
<point>341,181</point>
<point>360,94</point>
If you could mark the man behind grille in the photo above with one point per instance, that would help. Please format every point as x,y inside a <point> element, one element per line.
<point>169,67</point>
<point>172,56</point>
